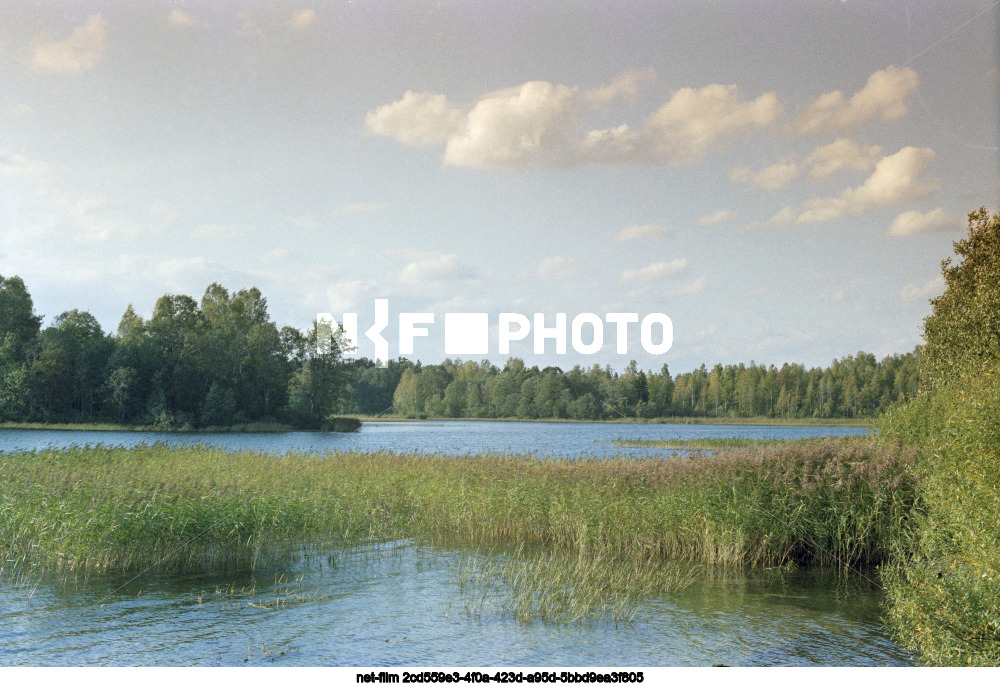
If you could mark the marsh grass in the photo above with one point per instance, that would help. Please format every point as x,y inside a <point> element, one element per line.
<point>561,587</point>
<point>697,444</point>
<point>284,592</point>
<point>836,502</point>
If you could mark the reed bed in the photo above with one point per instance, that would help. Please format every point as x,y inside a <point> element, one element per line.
<point>706,444</point>
<point>838,502</point>
<point>565,587</point>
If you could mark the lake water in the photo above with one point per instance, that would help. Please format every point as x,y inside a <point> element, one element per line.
<point>404,603</point>
<point>456,437</point>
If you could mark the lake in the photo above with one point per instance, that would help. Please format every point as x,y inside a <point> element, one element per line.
<point>405,603</point>
<point>454,437</point>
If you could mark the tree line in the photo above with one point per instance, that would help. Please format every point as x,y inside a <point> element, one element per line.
<point>221,361</point>
<point>217,362</point>
<point>852,387</point>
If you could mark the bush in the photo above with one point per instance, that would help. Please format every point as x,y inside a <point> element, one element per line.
<point>945,594</point>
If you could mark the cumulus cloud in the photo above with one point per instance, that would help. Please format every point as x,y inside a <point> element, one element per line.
<point>656,270</point>
<point>625,86</point>
<point>303,18</point>
<point>436,268</point>
<point>542,123</point>
<point>913,222</point>
<point>641,231</point>
<point>417,119</point>
<point>884,95</point>
<point>842,154</point>
<point>532,123</point>
<point>79,52</point>
<point>914,292</point>
<point>770,178</point>
<point>182,18</point>
<point>897,178</point>
<point>557,267</point>
<point>695,120</point>
<point>720,217</point>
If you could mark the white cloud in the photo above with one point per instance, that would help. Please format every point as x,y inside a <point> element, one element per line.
<point>182,18</point>
<point>695,120</point>
<point>641,231</point>
<point>351,296</point>
<point>720,217</point>
<point>79,52</point>
<point>530,124</point>
<point>625,85</point>
<point>656,270</point>
<point>417,119</point>
<point>770,178</point>
<point>218,231</point>
<point>540,123</point>
<point>14,165</point>
<point>897,178</point>
<point>884,95</point>
<point>557,267</point>
<point>839,155</point>
<point>436,268</point>
<point>783,217</point>
<point>913,222</point>
<point>913,292</point>
<point>303,18</point>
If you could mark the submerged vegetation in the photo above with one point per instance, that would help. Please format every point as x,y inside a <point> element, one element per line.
<point>835,502</point>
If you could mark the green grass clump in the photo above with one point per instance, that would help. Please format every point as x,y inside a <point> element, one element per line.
<point>944,596</point>
<point>829,502</point>
<point>566,587</point>
<point>696,444</point>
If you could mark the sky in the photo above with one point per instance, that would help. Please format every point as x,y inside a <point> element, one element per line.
<point>781,179</point>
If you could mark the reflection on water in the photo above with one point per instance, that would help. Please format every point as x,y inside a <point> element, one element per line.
<point>404,604</point>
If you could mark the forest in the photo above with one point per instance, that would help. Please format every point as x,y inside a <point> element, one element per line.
<point>223,362</point>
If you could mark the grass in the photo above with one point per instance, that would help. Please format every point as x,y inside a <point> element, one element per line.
<point>560,587</point>
<point>838,502</point>
<point>696,444</point>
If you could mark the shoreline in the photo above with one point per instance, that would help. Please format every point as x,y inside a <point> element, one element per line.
<point>277,428</point>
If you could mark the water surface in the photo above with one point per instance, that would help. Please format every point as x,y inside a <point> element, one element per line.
<point>454,437</point>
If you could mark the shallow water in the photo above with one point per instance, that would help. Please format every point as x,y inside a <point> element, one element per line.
<point>403,604</point>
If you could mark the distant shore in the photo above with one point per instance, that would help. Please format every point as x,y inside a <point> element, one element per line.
<point>770,421</point>
<point>277,427</point>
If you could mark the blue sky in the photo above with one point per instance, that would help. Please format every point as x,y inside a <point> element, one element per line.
<point>781,179</point>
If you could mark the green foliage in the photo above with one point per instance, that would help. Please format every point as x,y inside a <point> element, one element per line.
<point>945,597</point>
<point>945,591</point>
<point>964,329</point>
<point>217,363</point>
<point>17,311</point>
<point>220,407</point>
<point>855,386</point>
